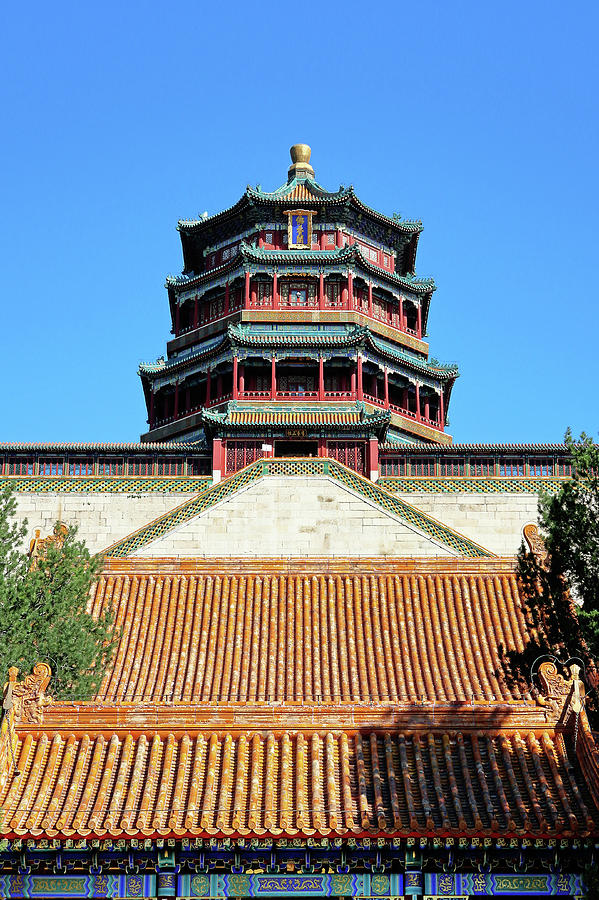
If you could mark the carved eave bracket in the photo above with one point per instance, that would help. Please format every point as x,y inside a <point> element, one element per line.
<point>554,690</point>
<point>534,541</point>
<point>27,699</point>
<point>564,696</point>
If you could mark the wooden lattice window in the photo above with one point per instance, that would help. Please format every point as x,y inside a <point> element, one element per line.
<point>51,467</point>
<point>455,466</point>
<point>171,466</point>
<point>17,465</point>
<point>350,453</point>
<point>393,466</point>
<point>540,467</point>
<point>242,453</point>
<point>333,293</point>
<point>483,467</point>
<point>111,465</point>
<point>422,465</point>
<point>80,467</point>
<point>140,465</point>
<point>198,466</point>
<point>512,468</point>
<point>264,293</point>
<point>298,294</point>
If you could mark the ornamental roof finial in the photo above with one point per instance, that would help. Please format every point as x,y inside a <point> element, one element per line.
<point>300,158</point>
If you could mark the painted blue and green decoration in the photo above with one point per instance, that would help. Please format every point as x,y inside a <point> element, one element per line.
<point>276,885</point>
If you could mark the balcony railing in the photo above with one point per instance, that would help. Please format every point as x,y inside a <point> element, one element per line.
<point>286,395</point>
<point>391,318</point>
<point>303,395</point>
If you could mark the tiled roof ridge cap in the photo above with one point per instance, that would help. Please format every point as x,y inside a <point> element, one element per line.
<point>411,281</point>
<point>242,331</point>
<point>110,718</point>
<point>320,195</point>
<point>96,445</point>
<point>269,565</point>
<point>420,446</point>
<point>161,365</point>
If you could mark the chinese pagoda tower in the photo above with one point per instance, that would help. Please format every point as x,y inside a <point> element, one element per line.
<point>299,330</point>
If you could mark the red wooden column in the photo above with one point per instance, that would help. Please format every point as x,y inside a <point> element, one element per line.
<point>246,301</point>
<point>322,446</point>
<point>352,383</point>
<point>323,240</point>
<point>253,294</point>
<point>402,322</point>
<point>235,369</point>
<point>405,404</point>
<point>418,402</point>
<point>344,294</point>
<point>241,379</point>
<point>152,414</point>
<point>321,378</point>
<point>339,238</point>
<point>227,299</point>
<point>177,318</point>
<point>427,407</point>
<point>273,378</point>
<point>360,379</point>
<point>196,311</point>
<point>419,322</point>
<point>176,409</point>
<point>350,289</point>
<point>208,386</point>
<point>275,291</point>
<point>321,291</point>
<point>217,460</point>
<point>373,461</point>
<point>441,410</point>
<point>370,299</point>
<point>386,388</point>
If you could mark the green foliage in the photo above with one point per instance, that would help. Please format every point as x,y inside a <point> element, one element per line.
<point>563,591</point>
<point>43,610</point>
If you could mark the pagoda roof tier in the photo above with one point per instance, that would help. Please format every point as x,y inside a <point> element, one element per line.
<point>244,335</point>
<point>347,418</point>
<point>162,365</point>
<point>296,192</point>
<point>299,191</point>
<point>349,255</point>
<point>316,782</point>
<point>354,336</point>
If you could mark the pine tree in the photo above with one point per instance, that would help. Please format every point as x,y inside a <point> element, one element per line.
<point>562,589</point>
<point>44,609</point>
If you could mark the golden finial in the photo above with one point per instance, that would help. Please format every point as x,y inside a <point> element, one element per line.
<point>300,159</point>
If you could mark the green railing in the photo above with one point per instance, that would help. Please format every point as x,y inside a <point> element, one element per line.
<point>445,484</point>
<point>106,484</point>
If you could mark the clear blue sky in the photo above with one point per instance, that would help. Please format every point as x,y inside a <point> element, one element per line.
<point>478,118</point>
